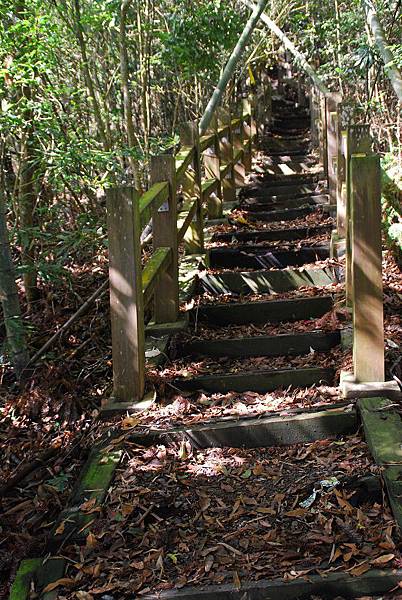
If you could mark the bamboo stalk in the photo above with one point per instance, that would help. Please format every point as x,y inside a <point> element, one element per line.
<point>300,59</point>
<point>392,72</point>
<point>231,65</point>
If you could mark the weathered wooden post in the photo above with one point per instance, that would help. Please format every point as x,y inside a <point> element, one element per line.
<point>226,153</point>
<point>322,108</point>
<point>368,325</point>
<point>164,224</point>
<point>126,296</point>
<point>212,165</point>
<point>238,150</point>
<point>194,236</point>
<point>357,140</point>
<point>343,151</point>
<point>249,131</point>
<point>332,102</point>
<point>314,117</point>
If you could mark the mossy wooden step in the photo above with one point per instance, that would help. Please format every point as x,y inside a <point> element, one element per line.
<point>261,282</point>
<point>93,483</point>
<point>258,381</point>
<point>332,585</point>
<point>383,432</point>
<point>264,345</point>
<point>272,430</point>
<point>40,572</point>
<point>225,258</point>
<point>256,236</point>
<point>272,311</point>
<point>383,429</point>
<point>393,481</point>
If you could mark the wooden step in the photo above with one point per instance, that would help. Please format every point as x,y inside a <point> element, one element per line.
<point>298,427</point>
<point>373,582</point>
<point>273,311</point>
<point>263,282</point>
<point>264,345</point>
<point>263,203</point>
<point>258,381</point>
<point>284,191</point>
<point>279,179</point>
<point>260,258</point>
<point>256,236</point>
<point>286,214</point>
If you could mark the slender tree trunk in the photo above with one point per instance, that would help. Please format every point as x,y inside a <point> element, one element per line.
<point>128,111</point>
<point>299,58</point>
<point>26,205</point>
<point>391,70</point>
<point>87,77</point>
<point>231,64</point>
<point>16,340</point>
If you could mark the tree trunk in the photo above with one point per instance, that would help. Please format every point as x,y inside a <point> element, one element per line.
<point>231,65</point>
<point>300,60</point>
<point>16,340</point>
<point>392,72</point>
<point>87,77</point>
<point>128,112</point>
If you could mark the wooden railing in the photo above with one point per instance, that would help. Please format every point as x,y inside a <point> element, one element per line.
<point>354,182</point>
<point>204,173</point>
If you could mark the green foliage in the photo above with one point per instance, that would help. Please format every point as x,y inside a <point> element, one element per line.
<point>199,35</point>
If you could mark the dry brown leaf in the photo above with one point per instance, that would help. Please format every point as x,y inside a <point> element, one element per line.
<point>382,560</point>
<point>359,570</point>
<point>64,581</point>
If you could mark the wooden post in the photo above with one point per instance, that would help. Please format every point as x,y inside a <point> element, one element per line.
<point>126,297</point>
<point>341,194</point>
<point>249,132</point>
<point>357,140</point>
<point>164,225</point>
<point>212,165</point>
<point>238,144</point>
<point>332,102</point>
<point>314,123</point>
<point>194,236</point>
<point>368,324</point>
<point>323,132</point>
<point>226,153</point>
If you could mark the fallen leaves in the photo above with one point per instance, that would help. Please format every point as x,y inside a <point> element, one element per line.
<point>230,515</point>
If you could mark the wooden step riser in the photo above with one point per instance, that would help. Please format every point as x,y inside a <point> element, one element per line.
<point>271,236</point>
<point>263,204</point>
<point>281,191</point>
<point>279,151</point>
<point>280,345</point>
<point>255,313</point>
<point>284,180</point>
<point>261,382</point>
<point>274,431</point>
<point>226,258</point>
<point>287,214</point>
<point>371,583</point>
<point>263,282</point>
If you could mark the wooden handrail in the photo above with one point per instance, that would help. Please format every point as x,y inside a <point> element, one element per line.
<point>183,159</point>
<point>153,198</point>
<point>206,141</point>
<point>185,218</point>
<point>157,264</point>
<point>207,170</point>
